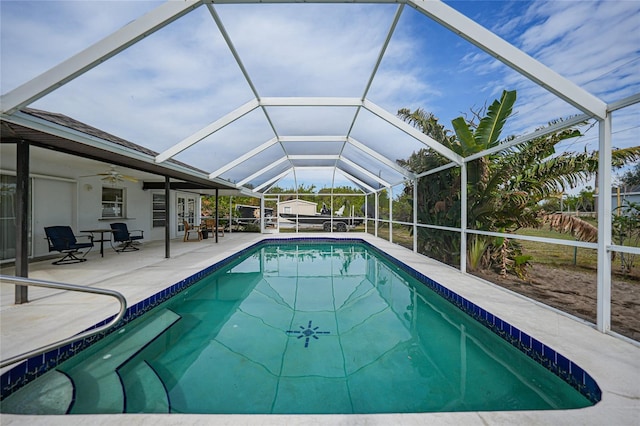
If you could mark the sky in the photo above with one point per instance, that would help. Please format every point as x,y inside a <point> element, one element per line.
<point>184,77</point>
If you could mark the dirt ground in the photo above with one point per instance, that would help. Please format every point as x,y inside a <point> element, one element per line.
<point>574,291</point>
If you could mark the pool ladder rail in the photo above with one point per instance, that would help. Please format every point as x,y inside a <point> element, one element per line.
<point>8,279</point>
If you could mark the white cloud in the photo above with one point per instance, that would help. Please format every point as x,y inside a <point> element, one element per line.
<point>183,77</point>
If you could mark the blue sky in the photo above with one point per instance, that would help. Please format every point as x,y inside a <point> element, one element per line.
<point>183,77</point>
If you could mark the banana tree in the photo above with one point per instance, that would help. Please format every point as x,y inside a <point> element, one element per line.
<point>503,189</point>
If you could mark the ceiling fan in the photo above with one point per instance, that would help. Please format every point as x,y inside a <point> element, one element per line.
<point>113,176</point>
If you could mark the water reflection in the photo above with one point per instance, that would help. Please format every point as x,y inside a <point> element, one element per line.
<point>335,329</point>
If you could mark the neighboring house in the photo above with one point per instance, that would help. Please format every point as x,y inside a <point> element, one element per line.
<point>621,195</point>
<point>297,207</point>
<point>67,188</point>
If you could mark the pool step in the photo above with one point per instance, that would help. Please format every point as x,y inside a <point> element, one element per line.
<point>98,388</point>
<point>144,389</point>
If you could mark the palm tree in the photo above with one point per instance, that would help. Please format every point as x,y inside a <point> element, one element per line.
<point>504,189</point>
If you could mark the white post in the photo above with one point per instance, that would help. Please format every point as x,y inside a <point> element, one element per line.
<point>390,214</point>
<point>415,215</point>
<point>262,214</point>
<point>604,226</point>
<point>376,217</point>
<point>332,209</point>
<point>463,217</point>
<point>366,213</point>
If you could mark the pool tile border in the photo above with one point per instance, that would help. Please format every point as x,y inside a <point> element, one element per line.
<point>553,361</point>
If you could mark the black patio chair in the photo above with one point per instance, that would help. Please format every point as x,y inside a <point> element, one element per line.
<point>126,239</point>
<point>61,239</point>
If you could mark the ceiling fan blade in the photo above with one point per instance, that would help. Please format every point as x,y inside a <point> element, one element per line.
<point>129,178</point>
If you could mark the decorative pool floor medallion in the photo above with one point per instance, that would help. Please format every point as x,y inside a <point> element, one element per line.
<point>307,333</point>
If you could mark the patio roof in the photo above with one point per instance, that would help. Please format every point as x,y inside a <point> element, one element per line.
<point>337,135</point>
<point>64,134</point>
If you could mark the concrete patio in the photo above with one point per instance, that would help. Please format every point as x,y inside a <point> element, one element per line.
<point>53,315</point>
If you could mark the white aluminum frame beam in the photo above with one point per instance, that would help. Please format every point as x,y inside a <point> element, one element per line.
<point>365,172</point>
<point>313,157</point>
<point>290,139</point>
<point>383,49</point>
<point>207,131</point>
<point>273,179</point>
<point>526,138</point>
<point>310,101</point>
<point>603,290</point>
<point>355,180</point>
<point>94,55</point>
<point>511,56</point>
<point>381,158</point>
<point>255,151</point>
<point>236,56</point>
<point>262,171</point>
<point>411,131</point>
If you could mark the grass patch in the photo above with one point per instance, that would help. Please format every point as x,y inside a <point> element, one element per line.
<point>555,254</point>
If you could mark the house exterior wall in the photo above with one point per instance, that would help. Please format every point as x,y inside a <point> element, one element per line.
<point>62,194</point>
<point>297,207</point>
<point>53,204</point>
<point>632,197</point>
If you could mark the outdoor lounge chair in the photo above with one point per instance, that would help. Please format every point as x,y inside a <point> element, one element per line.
<point>61,239</point>
<point>125,238</point>
<point>188,230</point>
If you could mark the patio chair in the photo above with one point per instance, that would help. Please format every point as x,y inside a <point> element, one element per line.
<point>124,237</point>
<point>210,225</point>
<point>188,230</point>
<point>61,239</point>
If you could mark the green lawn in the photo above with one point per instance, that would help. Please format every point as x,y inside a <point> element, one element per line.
<point>554,254</point>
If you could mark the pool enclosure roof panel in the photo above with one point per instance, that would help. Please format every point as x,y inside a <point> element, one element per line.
<point>263,95</point>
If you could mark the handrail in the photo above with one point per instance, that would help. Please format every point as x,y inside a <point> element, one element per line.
<point>63,286</point>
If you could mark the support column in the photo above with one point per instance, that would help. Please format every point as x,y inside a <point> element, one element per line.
<point>366,213</point>
<point>604,226</point>
<point>332,210</point>
<point>167,215</point>
<point>262,215</point>
<point>230,214</point>
<point>215,231</point>
<point>415,215</point>
<point>376,218</point>
<point>463,217</point>
<point>22,219</point>
<point>390,191</point>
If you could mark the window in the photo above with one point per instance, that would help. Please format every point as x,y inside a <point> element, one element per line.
<point>287,209</point>
<point>112,202</point>
<point>159,212</point>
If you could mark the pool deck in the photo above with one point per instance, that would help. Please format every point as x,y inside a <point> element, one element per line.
<point>52,315</point>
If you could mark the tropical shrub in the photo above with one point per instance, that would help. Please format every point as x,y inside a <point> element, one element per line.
<point>504,189</point>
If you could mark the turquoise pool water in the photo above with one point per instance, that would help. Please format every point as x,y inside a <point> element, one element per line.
<point>288,328</point>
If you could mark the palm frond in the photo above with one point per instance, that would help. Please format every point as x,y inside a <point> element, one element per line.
<point>580,229</point>
<point>488,132</point>
<point>622,157</point>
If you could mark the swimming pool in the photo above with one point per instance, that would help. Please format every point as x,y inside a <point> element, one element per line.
<point>330,329</point>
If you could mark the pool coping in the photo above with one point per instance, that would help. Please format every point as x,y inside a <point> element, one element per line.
<point>625,397</point>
